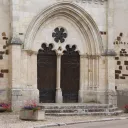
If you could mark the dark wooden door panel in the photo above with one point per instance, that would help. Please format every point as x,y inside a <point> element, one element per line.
<point>70,75</point>
<point>46,68</point>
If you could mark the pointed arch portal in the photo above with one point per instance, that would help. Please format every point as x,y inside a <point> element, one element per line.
<point>47,58</point>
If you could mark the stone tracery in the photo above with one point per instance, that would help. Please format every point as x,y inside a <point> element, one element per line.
<point>59,35</point>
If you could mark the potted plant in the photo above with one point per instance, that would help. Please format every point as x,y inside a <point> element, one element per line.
<point>126,108</point>
<point>31,111</point>
<point>5,107</point>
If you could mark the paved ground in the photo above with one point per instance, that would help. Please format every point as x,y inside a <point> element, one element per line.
<point>108,124</point>
<point>11,120</point>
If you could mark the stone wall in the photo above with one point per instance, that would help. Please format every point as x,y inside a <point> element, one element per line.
<point>110,17</point>
<point>23,13</point>
<point>121,18</point>
<point>121,43</point>
<point>24,78</point>
<point>121,62</point>
<point>5,32</point>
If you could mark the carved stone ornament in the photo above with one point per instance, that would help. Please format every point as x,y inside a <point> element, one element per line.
<point>46,50</point>
<point>59,35</point>
<point>71,50</point>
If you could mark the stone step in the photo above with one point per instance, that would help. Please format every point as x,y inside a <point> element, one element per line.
<point>74,106</point>
<point>79,109</point>
<point>113,109</point>
<point>88,113</point>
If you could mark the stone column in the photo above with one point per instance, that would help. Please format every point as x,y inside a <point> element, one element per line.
<point>86,69</point>
<point>112,95</point>
<point>22,90</point>
<point>110,55</point>
<point>110,17</point>
<point>90,72</point>
<point>82,79</point>
<point>59,97</point>
<point>14,74</point>
<point>30,91</point>
<point>86,79</point>
<point>102,88</point>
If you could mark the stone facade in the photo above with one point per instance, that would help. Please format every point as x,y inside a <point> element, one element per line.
<point>98,28</point>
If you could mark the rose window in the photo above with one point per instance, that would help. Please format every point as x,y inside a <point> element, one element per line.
<point>59,35</point>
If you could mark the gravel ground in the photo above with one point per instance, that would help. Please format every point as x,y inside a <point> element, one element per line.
<point>11,120</point>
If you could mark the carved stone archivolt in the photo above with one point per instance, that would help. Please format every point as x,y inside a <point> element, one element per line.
<point>74,13</point>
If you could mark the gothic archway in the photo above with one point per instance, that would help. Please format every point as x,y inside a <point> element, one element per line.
<point>46,73</point>
<point>86,24</point>
<point>70,74</point>
<point>91,43</point>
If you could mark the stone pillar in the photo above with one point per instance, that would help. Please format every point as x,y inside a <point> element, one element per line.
<point>102,88</point>
<point>110,55</point>
<point>59,97</point>
<point>110,24</point>
<point>112,95</point>
<point>14,75</point>
<point>86,70</point>
<point>82,79</point>
<point>20,91</point>
<point>30,91</point>
<point>86,80</point>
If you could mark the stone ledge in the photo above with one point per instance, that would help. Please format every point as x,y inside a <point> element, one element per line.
<point>109,52</point>
<point>15,41</point>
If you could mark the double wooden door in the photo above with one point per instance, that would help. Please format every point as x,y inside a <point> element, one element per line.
<point>47,69</point>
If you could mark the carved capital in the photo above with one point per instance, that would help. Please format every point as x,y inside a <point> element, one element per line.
<point>93,56</point>
<point>83,56</point>
<point>30,52</point>
<point>59,51</point>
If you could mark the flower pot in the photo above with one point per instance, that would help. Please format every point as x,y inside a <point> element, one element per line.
<point>126,111</point>
<point>32,115</point>
<point>2,109</point>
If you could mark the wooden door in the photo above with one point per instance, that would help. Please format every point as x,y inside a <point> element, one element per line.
<point>46,72</point>
<point>70,74</point>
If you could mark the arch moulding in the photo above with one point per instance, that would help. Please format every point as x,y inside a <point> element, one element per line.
<point>78,15</point>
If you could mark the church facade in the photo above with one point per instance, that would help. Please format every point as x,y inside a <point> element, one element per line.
<point>63,51</point>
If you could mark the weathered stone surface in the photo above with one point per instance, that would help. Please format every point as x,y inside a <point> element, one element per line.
<point>79,109</point>
<point>109,52</point>
<point>32,115</point>
<point>92,26</point>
